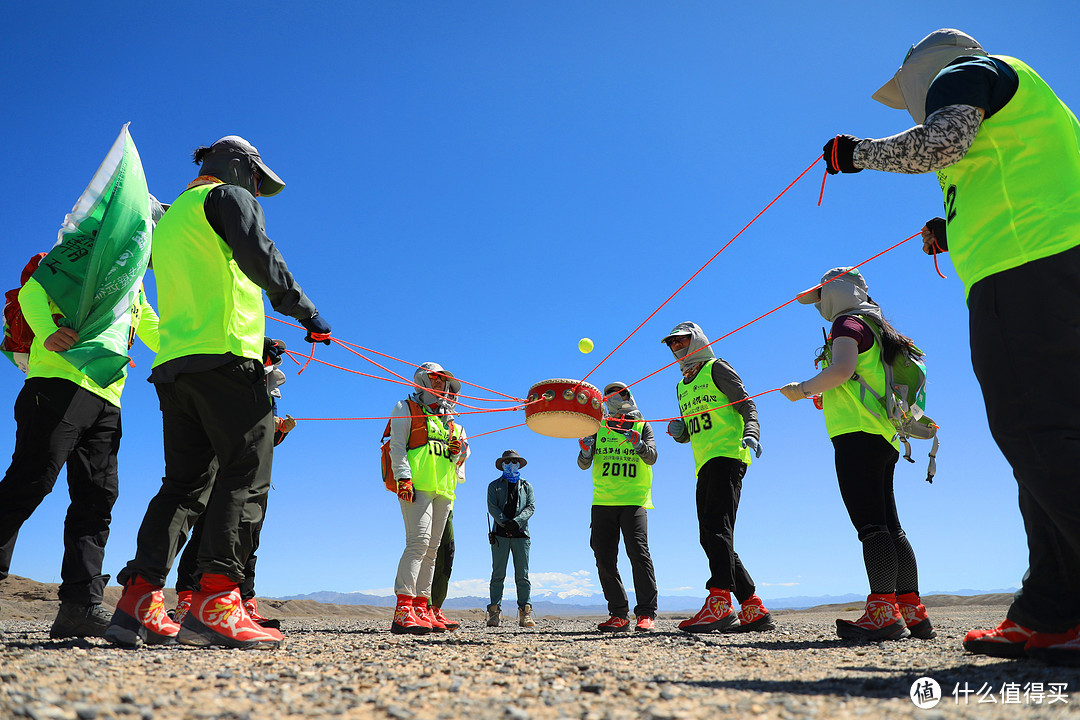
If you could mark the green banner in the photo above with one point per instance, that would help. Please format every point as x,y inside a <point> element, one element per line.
<point>94,270</point>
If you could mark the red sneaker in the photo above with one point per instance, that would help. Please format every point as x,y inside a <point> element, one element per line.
<point>753,617</point>
<point>1007,640</point>
<point>140,617</point>
<point>716,614</point>
<point>614,624</point>
<point>183,604</point>
<point>251,605</point>
<point>217,617</point>
<point>881,620</point>
<point>1055,648</point>
<point>446,623</point>
<point>424,612</point>
<point>406,622</point>
<point>915,617</point>
<point>645,623</point>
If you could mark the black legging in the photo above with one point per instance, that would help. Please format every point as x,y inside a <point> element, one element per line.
<point>864,469</point>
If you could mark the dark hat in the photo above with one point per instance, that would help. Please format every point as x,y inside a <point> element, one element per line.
<point>271,183</point>
<point>510,456</point>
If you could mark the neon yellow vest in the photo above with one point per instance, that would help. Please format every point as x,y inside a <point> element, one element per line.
<point>1015,197</point>
<point>432,469</point>
<point>620,476</point>
<point>207,305</point>
<point>845,412</point>
<point>47,364</point>
<point>716,433</point>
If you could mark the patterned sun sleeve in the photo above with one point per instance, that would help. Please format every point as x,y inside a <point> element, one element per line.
<point>941,141</point>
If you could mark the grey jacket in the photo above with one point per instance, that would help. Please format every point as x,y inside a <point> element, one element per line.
<point>497,494</point>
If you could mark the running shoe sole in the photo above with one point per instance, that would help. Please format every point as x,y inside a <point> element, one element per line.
<point>762,624</point>
<point>721,625</point>
<point>848,630</point>
<point>195,634</point>
<point>996,648</point>
<point>129,633</point>
<point>922,630</point>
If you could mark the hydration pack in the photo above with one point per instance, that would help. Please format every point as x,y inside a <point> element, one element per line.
<point>17,333</point>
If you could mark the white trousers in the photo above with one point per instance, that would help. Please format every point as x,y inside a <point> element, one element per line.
<point>425,520</point>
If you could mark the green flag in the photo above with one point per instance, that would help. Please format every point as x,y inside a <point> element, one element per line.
<point>94,270</point>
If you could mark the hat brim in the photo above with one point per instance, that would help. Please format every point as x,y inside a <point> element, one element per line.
<point>271,184</point>
<point>889,94</point>
<point>522,462</point>
<point>810,295</point>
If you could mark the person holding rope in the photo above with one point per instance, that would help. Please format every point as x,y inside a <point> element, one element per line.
<point>1006,151</point>
<point>186,583</point>
<point>866,446</point>
<point>423,448</point>
<point>719,420</point>
<point>212,262</point>
<point>621,455</point>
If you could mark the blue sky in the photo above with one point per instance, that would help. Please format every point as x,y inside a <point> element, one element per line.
<point>482,184</point>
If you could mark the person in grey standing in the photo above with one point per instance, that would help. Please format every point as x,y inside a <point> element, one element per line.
<point>511,503</point>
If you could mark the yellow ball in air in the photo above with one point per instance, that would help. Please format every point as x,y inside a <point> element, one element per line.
<point>585,345</point>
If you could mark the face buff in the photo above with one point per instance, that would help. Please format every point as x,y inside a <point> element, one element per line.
<point>510,471</point>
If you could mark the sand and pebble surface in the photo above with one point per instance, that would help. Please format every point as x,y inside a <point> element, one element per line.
<point>341,662</point>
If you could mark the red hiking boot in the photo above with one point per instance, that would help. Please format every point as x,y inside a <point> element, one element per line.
<point>880,621</point>
<point>614,624</point>
<point>140,617</point>
<point>424,612</point>
<point>1055,648</point>
<point>915,616</point>
<point>447,623</point>
<point>1007,640</point>
<point>251,605</point>
<point>716,614</point>
<point>645,623</point>
<point>183,604</point>
<point>753,617</point>
<point>218,617</point>
<point>406,621</point>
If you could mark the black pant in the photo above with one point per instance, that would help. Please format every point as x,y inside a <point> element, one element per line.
<point>632,522</point>
<point>444,564</point>
<point>864,470</point>
<point>186,577</point>
<point>224,413</point>
<point>1025,349</point>
<point>719,486</point>
<point>58,422</point>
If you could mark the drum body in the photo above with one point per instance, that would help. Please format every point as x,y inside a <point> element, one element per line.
<point>564,408</point>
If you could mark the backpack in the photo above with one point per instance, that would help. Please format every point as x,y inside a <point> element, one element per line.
<point>904,404</point>
<point>418,436</point>
<point>18,336</point>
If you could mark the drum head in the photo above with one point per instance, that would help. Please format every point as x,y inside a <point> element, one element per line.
<point>563,424</point>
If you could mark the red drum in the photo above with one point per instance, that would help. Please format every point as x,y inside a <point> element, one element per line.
<point>566,408</point>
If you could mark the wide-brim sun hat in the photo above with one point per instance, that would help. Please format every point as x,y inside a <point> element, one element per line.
<point>813,294</point>
<point>510,456</point>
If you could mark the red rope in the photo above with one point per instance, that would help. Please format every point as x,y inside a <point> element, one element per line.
<point>406,362</point>
<point>792,183</point>
<point>759,317</point>
<point>939,250</point>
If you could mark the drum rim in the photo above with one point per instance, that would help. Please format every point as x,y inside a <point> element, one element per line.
<point>582,383</point>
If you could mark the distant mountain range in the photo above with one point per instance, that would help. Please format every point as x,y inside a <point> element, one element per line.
<point>552,604</point>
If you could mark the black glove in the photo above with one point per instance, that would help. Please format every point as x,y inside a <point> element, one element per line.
<point>272,351</point>
<point>512,526</point>
<point>839,154</point>
<point>318,330</point>
<point>937,227</point>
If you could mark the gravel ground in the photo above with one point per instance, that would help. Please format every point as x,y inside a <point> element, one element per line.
<point>341,666</point>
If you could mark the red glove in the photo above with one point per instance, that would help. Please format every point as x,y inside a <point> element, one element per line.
<point>454,446</point>
<point>587,445</point>
<point>405,490</point>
